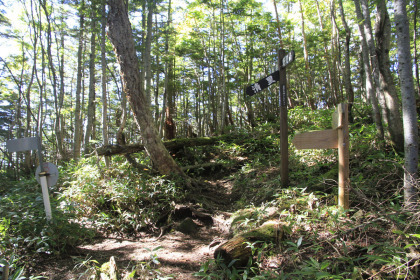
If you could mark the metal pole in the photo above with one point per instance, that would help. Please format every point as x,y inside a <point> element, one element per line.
<point>41,162</point>
<point>45,195</point>
<point>284,144</point>
<point>44,182</point>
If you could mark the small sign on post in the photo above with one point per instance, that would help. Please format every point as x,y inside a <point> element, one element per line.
<point>263,83</point>
<point>287,59</point>
<point>279,76</point>
<point>22,144</point>
<point>34,143</point>
<point>336,138</point>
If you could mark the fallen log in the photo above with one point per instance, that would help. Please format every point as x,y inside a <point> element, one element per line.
<point>238,249</point>
<point>173,145</point>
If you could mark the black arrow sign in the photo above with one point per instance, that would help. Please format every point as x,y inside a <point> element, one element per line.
<point>263,83</point>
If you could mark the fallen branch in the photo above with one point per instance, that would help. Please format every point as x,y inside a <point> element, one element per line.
<point>173,145</point>
<point>206,165</point>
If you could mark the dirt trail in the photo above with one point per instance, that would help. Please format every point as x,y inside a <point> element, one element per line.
<point>180,255</point>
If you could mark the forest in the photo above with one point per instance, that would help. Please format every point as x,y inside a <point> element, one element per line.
<point>168,168</point>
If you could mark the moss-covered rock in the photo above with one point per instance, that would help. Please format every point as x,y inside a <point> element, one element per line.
<point>238,249</point>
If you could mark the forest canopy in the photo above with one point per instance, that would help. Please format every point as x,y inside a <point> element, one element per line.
<point>60,78</point>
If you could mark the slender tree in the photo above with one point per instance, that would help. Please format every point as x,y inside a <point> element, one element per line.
<point>308,91</point>
<point>370,91</point>
<point>386,79</point>
<point>78,127</point>
<point>416,54</point>
<point>347,72</point>
<point>92,82</point>
<point>104,80</point>
<point>405,70</point>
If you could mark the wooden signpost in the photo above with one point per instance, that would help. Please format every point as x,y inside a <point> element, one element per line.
<point>336,138</point>
<point>279,76</point>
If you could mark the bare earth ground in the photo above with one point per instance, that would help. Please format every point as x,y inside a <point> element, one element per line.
<point>180,255</point>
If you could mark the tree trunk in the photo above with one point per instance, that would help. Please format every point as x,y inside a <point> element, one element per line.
<point>104,81</point>
<point>373,60</point>
<point>62,90</point>
<point>371,94</point>
<point>278,25</point>
<point>405,70</point>
<point>224,98</point>
<point>92,81</point>
<point>148,50</point>
<point>347,72</point>
<point>306,57</point>
<point>331,79</point>
<point>416,55</point>
<point>383,39</point>
<point>78,128</point>
<point>121,37</point>
<point>53,78</point>
<point>169,125</point>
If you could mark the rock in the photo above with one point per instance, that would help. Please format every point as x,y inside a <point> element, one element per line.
<point>187,226</point>
<point>188,211</point>
<point>109,270</point>
<point>237,247</point>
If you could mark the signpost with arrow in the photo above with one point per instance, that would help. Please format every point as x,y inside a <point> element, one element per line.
<point>279,76</point>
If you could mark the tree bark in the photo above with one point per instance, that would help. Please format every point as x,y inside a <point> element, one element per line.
<point>169,124</point>
<point>306,57</point>
<point>405,70</point>
<point>78,128</point>
<point>386,79</point>
<point>331,79</point>
<point>371,94</point>
<point>53,77</point>
<point>104,81</point>
<point>148,50</point>
<point>121,37</point>
<point>92,81</point>
<point>278,25</point>
<point>347,72</point>
<point>416,55</point>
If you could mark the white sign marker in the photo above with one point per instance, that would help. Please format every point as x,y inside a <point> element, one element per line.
<point>22,144</point>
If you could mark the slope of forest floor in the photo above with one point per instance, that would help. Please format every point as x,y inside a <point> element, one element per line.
<point>174,254</point>
<point>137,218</point>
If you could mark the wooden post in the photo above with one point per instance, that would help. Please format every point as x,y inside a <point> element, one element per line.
<point>284,60</point>
<point>340,122</point>
<point>336,138</point>
<point>284,145</point>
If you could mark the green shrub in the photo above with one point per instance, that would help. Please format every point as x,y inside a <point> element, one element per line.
<point>24,229</point>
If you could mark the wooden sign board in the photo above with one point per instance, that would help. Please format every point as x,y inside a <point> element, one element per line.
<point>336,138</point>
<point>263,83</point>
<point>322,139</point>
